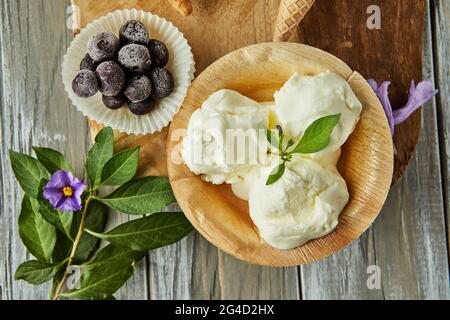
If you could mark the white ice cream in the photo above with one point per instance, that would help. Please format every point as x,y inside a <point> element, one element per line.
<point>304,204</point>
<point>304,99</point>
<point>208,151</point>
<point>242,189</point>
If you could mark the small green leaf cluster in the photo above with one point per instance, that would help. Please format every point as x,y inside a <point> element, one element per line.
<point>316,138</point>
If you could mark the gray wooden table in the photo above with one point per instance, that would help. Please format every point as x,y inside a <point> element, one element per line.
<point>408,243</point>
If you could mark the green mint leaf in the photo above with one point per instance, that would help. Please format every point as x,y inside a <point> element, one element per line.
<point>38,236</point>
<point>37,272</point>
<point>276,173</point>
<point>51,159</point>
<point>273,138</point>
<point>95,221</point>
<point>317,135</point>
<point>28,171</point>
<point>100,153</point>
<point>143,196</point>
<point>101,282</point>
<point>290,143</point>
<point>121,168</point>
<point>114,254</point>
<point>147,233</point>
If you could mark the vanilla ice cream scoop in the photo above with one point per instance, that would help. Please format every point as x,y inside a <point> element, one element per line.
<point>304,204</point>
<point>226,137</point>
<point>304,99</point>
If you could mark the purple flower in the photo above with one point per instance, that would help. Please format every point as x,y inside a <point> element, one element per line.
<point>63,191</point>
<point>417,97</point>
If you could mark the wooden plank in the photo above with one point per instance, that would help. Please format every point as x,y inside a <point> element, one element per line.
<point>193,268</point>
<point>345,274</point>
<point>185,270</point>
<point>441,27</point>
<point>410,241</point>
<point>35,111</point>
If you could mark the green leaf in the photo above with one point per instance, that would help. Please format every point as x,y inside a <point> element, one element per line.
<point>146,195</point>
<point>101,282</point>
<point>317,135</point>
<point>63,247</point>
<point>62,220</point>
<point>51,159</point>
<point>276,174</point>
<point>100,153</point>
<point>121,168</point>
<point>95,221</point>
<point>28,171</point>
<point>37,272</point>
<point>147,233</point>
<point>290,143</point>
<point>38,236</point>
<point>114,254</point>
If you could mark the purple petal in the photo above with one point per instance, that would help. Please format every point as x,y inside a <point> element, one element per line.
<point>383,95</point>
<point>78,188</point>
<point>417,97</point>
<point>77,192</point>
<point>69,204</point>
<point>53,195</point>
<point>60,179</point>
<point>373,84</point>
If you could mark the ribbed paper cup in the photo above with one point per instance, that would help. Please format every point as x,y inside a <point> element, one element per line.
<point>181,65</point>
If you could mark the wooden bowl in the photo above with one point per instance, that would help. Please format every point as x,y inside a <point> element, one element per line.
<point>366,162</point>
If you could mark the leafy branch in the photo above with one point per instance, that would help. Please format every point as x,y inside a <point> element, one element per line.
<point>62,220</point>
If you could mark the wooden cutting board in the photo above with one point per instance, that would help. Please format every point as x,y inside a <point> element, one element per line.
<point>338,26</point>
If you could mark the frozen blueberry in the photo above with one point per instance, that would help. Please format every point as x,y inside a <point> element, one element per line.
<point>103,46</point>
<point>142,107</point>
<point>159,53</point>
<point>114,102</point>
<point>138,88</point>
<point>162,82</point>
<point>135,57</point>
<point>87,63</point>
<point>133,32</point>
<point>85,84</point>
<point>112,78</point>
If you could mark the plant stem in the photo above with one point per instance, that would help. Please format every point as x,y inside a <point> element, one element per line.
<point>74,247</point>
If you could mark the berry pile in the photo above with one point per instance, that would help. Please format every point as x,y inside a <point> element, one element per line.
<point>126,70</point>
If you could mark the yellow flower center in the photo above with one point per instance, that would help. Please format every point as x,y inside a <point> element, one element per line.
<point>67,191</point>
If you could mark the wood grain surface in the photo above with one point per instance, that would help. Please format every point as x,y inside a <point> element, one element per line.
<point>407,241</point>
<point>395,56</point>
<point>439,31</point>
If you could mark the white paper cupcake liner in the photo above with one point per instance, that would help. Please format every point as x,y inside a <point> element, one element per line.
<point>181,65</point>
